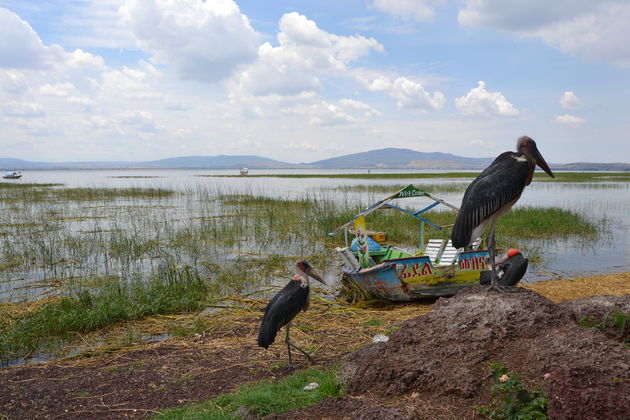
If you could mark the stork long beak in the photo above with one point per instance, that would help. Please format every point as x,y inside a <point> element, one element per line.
<point>540,161</point>
<point>313,274</point>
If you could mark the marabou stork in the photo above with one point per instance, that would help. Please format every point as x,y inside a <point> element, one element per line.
<point>511,268</point>
<point>284,306</point>
<point>493,193</point>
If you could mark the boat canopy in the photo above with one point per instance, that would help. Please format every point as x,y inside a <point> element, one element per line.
<point>410,191</point>
<point>10,173</point>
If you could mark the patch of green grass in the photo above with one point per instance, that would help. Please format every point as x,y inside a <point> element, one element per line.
<point>263,398</point>
<point>87,310</point>
<point>544,222</point>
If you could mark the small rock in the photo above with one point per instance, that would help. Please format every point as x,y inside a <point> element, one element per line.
<point>380,338</point>
<point>311,386</point>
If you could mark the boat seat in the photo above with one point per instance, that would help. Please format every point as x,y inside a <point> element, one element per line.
<point>449,254</point>
<point>349,259</point>
<point>434,249</point>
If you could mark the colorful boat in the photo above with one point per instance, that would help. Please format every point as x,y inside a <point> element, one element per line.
<point>12,175</point>
<point>389,272</point>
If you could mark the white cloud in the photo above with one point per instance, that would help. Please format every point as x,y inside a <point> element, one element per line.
<point>23,109</point>
<point>80,100</point>
<point>201,40</point>
<point>20,46</point>
<point>591,29</point>
<point>142,120</point>
<point>57,89</point>
<point>13,81</point>
<point>410,94</point>
<point>304,55</point>
<point>570,120</point>
<point>325,113</point>
<point>420,10</point>
<point>569,100</point>
<point>481,103</point>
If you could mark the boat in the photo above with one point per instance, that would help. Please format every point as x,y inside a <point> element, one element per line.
<point>244,171</point>
<point>12,175</point>
<point>389,272</point>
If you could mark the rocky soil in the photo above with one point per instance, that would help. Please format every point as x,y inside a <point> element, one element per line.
<point>436,366</point>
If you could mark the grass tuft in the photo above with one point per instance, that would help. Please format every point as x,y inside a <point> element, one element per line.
<point>263,398</point>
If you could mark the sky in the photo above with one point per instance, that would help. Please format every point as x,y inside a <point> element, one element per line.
<point>300,81</point>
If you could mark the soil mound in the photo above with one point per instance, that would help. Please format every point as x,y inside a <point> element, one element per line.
<point>444,355</point>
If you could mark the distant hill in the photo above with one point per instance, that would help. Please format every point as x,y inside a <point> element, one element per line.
<point>219,162</point>
<point>374,159</point>
<point>402,158</point>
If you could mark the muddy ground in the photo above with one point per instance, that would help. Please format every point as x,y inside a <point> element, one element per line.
<point>434,366</point>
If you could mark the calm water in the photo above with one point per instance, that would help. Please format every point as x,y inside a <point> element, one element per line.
<point>609,254</point>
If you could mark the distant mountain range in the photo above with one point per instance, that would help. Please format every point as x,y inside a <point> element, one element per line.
<point>390,158</point>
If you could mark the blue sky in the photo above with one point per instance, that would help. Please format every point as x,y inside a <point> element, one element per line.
<point>303,81</point>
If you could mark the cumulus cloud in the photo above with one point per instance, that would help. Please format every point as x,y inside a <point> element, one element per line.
<point>590,29</point>
<point>304,54</point>
<point>409,94</point>
<point>420,10</point>
<point>481,103</point>
<point>569,100</point>
<point>570,120</point>
<point>20,46</point>
<point>201,40</point>
<point>325,113</point>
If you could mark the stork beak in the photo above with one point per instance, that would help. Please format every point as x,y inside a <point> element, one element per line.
<point>314,275</point>
<point>540,161</point>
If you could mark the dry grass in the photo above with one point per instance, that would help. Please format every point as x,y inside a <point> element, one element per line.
<point>582,287</point>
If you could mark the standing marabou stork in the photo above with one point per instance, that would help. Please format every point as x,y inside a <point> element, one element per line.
<point>493,193</point>
<point>284,306</point>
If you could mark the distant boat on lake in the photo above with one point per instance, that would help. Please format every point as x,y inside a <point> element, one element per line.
<point>244,171</point>
<point>12,175</point>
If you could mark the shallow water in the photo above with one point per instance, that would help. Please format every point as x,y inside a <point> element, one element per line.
<point>610,253</point>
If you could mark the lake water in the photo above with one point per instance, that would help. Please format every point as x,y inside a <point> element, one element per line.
<point>609,254</point>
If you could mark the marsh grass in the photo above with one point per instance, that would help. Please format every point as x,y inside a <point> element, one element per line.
<point>451,187</point>
<point>231,242</point>
<point>264,398</point>
<point>85,310</point>
<point>560,176</point>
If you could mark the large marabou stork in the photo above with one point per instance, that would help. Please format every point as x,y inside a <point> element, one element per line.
<point>285,306</point>
<point>493,193</point>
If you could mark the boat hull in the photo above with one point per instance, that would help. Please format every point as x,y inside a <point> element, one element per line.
<point>405,279</point>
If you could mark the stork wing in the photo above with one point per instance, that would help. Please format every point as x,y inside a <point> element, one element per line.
<point>497,186</point>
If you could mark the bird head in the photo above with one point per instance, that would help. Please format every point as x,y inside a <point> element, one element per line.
<point>305,271</point>
<point>527,146</point>
<point>512,252</point>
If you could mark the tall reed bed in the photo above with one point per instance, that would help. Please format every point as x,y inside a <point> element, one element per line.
<point>116,254</point>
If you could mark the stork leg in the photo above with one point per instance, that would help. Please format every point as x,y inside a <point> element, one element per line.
<point>290,344</point>
<point>494,279</point>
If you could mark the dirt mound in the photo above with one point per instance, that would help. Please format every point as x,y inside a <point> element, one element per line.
<point>445,354</point>
<point>607,313</point>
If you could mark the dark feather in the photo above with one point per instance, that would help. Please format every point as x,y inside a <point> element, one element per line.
<point>281,310</point>
<point>498,185</point>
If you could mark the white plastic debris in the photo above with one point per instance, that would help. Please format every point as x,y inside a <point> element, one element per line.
<point>311,386</point>
<point>380,338</point>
